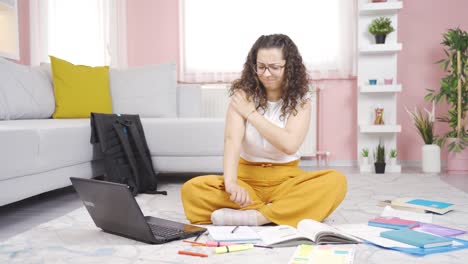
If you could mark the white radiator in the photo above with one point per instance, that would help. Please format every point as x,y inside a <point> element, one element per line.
<point>215,102</point>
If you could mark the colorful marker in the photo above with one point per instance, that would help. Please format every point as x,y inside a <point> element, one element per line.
<point>195,254</point>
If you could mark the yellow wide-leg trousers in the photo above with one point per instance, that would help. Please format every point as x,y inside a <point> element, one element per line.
<point>281,192</point>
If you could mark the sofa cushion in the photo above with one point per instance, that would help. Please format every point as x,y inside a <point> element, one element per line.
<point>189,99</point>
<point>80,90</point>
<point>149,91</point>
<point>25,92</point>
<point>184,136</point>
<point>36,146</point>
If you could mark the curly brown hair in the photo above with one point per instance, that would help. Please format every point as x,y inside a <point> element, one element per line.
<point>295,82</point>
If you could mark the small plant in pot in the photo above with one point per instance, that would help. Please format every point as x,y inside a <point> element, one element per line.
<point>424,122</point>
<point>380,28</point>
<point>365,156</point>
<point>393,155</point>
<point>379,157</point>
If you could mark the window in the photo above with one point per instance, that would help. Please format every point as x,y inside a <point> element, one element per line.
<point>217,35</point>
<point>9,44</point>
<point>81,31</point>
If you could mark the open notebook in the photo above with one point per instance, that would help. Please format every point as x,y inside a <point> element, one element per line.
<point>241,234</point>
<point>308,232</point>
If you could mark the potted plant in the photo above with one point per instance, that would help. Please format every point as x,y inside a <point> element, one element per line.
<point>380,28</point>
<point>393,155</point>
<point>379,158</point>
<point>430,151</point>
<point>454,89</point>
<point>365,156</point>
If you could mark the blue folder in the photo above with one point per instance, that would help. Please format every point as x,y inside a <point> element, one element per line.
<point>427,251</point>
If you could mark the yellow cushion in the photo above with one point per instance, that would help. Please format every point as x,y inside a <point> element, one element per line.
<point>80,90</point>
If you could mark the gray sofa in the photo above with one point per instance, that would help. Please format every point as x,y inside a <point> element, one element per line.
<point>39,155</point>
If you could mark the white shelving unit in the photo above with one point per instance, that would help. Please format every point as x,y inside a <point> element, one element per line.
<point>368,8</point>
<point>9,34</point>
<point>380,88</point>
<point>377,61</point>
<point>380,128</point>
<point>380,48</point>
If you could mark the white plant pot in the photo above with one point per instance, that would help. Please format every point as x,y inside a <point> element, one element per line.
<point>392,161</point>
<point>364,161</point>
<point>431,158</point>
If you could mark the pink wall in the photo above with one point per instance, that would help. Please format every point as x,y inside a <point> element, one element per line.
<point>153,37</point>
<point>23,21</point>
<point>338,119</point>
<point>421,25</point>
<point>153,31</point>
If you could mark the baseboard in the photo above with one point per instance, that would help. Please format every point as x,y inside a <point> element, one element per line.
<point>333,163</point>
<point>418,163</point>
<point>354,163</point>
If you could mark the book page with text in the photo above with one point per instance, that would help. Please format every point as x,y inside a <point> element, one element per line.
<point>278,234</point>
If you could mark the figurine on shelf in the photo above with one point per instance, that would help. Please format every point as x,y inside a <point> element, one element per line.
<point>379,116</point>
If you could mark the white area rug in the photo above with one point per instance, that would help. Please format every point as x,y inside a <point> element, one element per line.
<point>74,238</point>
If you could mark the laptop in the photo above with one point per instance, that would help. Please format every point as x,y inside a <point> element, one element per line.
<point>114,209</point>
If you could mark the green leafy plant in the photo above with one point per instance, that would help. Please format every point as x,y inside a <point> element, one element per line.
<point>393,153</point>
<point>365,152</point>
<point>381,26</point>
<point>424,123</point>
<point>454,89</point>
<point>379,154</point>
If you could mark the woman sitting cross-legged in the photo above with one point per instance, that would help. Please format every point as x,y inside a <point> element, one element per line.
<point>266,123</point>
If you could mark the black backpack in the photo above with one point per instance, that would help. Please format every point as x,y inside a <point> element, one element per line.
<point>121,140</point>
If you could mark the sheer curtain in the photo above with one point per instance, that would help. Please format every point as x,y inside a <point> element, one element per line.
<point>89,32</point>
<point>217,35</point>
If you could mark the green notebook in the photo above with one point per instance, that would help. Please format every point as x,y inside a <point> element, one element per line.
<point>418,239</point>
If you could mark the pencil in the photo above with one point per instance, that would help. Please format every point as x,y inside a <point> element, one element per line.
<point>235,228</point>
<point>195,254</point>
<point>262,246</point>
<point>198,236</point>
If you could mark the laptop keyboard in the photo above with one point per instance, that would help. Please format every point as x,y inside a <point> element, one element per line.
<point>163,231</point>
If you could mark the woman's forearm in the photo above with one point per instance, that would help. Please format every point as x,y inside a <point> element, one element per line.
<point>231,158</point>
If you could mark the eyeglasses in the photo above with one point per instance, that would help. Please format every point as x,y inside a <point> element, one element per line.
<point>274,69</point>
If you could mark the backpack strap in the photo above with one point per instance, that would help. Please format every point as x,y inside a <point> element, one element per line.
<point>146,162</point>
<point>119,129</point>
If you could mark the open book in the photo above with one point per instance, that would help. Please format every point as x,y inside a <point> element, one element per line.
<point>308,232</point>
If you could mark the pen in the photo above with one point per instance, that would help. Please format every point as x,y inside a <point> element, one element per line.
<point>199,235</point>
<point>189,253</point>
<point>194,243</point>
<point>262,246</point>
<point>235,228</point>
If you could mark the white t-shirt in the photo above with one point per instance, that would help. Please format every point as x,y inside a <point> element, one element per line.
<point>256,148</point>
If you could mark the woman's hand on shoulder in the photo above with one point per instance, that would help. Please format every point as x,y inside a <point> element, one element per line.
<point>239,194</point>
<point>242,104</point>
